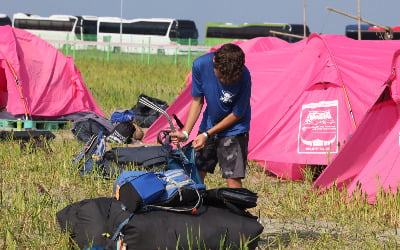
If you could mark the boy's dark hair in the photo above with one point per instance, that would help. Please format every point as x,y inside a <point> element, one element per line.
<point>229,61</point>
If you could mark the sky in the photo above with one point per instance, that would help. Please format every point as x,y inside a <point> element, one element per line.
<point>314,12</point>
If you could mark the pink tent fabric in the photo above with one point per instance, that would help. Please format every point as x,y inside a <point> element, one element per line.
<point>371,158</point>
<point>307,98</point>
<point>49,82</point>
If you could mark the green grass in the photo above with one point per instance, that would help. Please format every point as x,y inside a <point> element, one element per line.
<point>119,82</point>
<point>35,184</point>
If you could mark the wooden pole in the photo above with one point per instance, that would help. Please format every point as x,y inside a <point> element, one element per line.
<point>359,20</point>
<point>388,33</point>
<point>287,34</point>
<point>304,19</point>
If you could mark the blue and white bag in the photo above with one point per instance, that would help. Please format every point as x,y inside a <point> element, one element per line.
<point>169,190</point>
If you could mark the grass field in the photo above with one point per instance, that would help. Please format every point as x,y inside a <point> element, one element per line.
<point>35,184</point>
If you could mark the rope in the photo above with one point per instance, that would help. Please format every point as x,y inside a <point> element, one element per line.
<point>183,84</point>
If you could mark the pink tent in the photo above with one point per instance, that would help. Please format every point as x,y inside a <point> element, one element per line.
<point>370,159</point>
<point>307,98</point>
<point>318,102</point>
<point>39,81</point>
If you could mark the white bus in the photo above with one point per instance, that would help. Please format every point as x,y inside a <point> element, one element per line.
<point>145,35</point>
<point>154,35</point>
<point>59,28</point>
<point>52,28</point>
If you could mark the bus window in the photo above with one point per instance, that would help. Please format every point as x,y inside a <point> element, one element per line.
<point>185,32</point>
<point>218,33</point>
<point>86,28</point>
<point>109,27</point>
<point>151,28</point>
<point>4,20</point>
<point>56,27</point>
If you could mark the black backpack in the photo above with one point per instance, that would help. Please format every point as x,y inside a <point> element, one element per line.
<point>90,125</point>
<point>145,116</point>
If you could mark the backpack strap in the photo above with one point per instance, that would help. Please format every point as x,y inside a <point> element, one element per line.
<point>118,231</point>
<point>92,153</point>
<point>181,209</point>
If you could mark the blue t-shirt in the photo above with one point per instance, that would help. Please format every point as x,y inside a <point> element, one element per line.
<point>222,99</point>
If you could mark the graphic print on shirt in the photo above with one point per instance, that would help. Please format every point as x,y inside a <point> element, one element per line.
<point>226,97</point>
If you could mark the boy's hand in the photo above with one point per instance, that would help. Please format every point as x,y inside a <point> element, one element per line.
<point>177,137</point>
<point>199,142</point>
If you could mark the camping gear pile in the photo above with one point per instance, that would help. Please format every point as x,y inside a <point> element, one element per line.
<point>164,204</point>
<point>165,209</point>
<point>124,135</point>
<point>106,223</point>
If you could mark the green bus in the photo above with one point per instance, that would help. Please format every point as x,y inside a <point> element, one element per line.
<point>218,33</point>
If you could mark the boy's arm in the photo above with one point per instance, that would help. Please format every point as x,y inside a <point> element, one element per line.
<point>223,124</point>
<point>200,141</point>
<point>194,112</point>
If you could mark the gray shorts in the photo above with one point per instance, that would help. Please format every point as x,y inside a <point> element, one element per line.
<point>229,151</point>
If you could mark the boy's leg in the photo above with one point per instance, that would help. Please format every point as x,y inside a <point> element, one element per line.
<point>232,157</point>
<point>203,174</point>
<point>234,183</point>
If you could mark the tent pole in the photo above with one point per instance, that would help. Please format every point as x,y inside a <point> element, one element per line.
<point>19,90</point>
<point>359,20</point>
<point>304,19</point>
<point>349,105</point>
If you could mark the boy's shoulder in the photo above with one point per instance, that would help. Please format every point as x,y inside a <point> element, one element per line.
<point>206,58</point>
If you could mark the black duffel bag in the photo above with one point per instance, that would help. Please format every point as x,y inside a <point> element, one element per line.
<point>100,222</point>
<point>146,157</point>
<point>235,199</point>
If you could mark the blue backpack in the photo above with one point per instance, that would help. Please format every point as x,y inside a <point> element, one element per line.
<point>92,154</point>
<point>169,190</point>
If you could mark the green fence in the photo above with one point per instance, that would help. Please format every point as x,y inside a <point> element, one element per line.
<point>146,52</point>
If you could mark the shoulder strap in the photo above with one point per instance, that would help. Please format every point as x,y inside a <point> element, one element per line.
<point>118,231</point>
<point>181,209</point>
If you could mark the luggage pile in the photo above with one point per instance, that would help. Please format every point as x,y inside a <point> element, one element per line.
<point>164,210</point>
<point>161,205</point>
<point>112,145</point>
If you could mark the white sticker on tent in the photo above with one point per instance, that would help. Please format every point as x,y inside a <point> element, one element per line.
<point>318,129</point>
